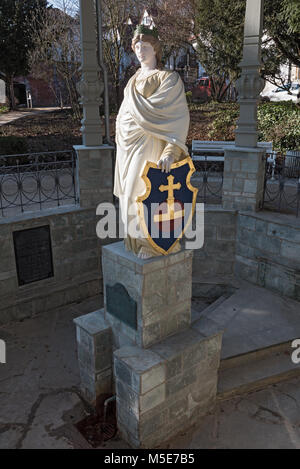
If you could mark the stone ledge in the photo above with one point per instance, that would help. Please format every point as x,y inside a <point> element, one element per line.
<point>93,323</point>
<point>233,149</point>
<point>37,215</point>
<point>276,218</point>
<point>118,253</point>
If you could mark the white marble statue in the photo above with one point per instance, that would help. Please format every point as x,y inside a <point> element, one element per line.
<point>152,125</point>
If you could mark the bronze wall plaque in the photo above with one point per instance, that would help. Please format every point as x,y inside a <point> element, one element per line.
<point>33,253</point>
<point>120,304</point>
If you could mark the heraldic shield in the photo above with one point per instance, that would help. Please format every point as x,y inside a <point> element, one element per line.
<point>167,207</point>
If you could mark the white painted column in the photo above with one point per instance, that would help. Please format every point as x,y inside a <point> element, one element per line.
<point>94,159</point>
<point>250,84</point>
<point>90,87</point>
<point>244,167</point>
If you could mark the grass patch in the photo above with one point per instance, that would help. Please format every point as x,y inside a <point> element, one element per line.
<point>278,122</point>
<point>3,109</point>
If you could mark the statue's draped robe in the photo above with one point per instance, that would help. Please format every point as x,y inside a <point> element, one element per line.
<point>153,121</point>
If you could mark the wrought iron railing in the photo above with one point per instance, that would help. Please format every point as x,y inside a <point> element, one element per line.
<point>282,183</point>
<point>37,181</point>
<point>208,179</point>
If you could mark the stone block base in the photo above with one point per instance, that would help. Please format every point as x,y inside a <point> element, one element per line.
<point>94,348</point>
<point>243,180</point>
<point>166,388</point>
<point>146,300</point>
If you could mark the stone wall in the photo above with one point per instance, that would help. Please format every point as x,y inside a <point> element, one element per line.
<point>215,261</point>
<point>243,178</point>
<point>165,389</point>
<point>76,263</point>
<point>268,251</point>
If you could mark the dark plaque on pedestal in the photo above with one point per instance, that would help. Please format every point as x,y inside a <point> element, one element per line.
<point>33,254</point>
<point>120,304</point>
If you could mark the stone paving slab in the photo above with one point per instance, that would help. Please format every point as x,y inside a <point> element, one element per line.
<point>39,399</point>
<point>267,419</point>
<point>252,318</point>
<point>39,384</point>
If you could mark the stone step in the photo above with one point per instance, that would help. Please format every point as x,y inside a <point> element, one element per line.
<point>244,358</point>
<point>252,319</point>
<point>256,370</point>
<point>209,309</point>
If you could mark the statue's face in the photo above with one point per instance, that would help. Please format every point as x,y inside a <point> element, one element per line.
<point>145,52</point>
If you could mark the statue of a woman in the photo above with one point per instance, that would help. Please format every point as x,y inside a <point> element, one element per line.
<point>152,125</point>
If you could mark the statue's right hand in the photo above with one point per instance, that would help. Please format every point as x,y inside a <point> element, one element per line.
<point>165,163</point>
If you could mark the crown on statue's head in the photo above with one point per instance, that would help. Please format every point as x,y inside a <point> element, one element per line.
<point>142,29</point>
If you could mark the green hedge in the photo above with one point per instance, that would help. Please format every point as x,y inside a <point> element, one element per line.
<point>280,123</point>
<point>3,109</point>
<point>277,122</point>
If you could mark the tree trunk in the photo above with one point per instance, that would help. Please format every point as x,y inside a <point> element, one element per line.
<point>12,101</point>
<point>117,91</point>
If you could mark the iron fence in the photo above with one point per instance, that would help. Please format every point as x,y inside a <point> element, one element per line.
<point>282,183</point>
<point>208,179</point>
<point>35,181</point>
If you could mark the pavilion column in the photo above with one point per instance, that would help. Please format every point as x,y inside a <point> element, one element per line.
<point>244,162</point>
<point>90,87</point>
<point>94,158</point>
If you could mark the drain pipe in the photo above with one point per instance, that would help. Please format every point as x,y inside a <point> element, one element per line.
<point>106,403</point>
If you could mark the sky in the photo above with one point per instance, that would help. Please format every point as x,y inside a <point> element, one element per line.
<point>69,5</point>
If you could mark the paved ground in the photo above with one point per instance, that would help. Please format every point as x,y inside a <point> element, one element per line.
<point>11,116</point>
<point>267,419</point>
<point>252,318</point>
<point>40,399</point>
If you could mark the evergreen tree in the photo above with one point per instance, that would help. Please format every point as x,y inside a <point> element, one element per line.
<point>219,30</point>
<point>18,29</point>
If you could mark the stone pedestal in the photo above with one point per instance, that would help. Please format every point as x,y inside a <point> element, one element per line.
<point>243,183</point>
<point>164,370</point>
<point>166,388</point>
<point>94,174</point>
<point>146,300</point>
<point>94,349</point>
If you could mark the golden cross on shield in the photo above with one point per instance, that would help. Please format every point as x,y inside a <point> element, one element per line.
<point>171,214</point>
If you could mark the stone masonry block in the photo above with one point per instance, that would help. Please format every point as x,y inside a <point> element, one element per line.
<point>180,382</point>
<point>246,221</point>
<point>250,166</point>
<point>94,348</point>
<point>177,344</point>
<point>237,186</point>
<point>236,164</point>
<point>291,251</point>
<point>228,184</point>
<point>226,233</point>
<point>261,227</point>
<point>158,286</point>
<point>220,217</point>
<point>140,403</point>
<point>246,269</point>
<point>167,387</point>
<point>276,278</point>
<point>141,369</point>
<point>286,232</point>
<point>250,186</point>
